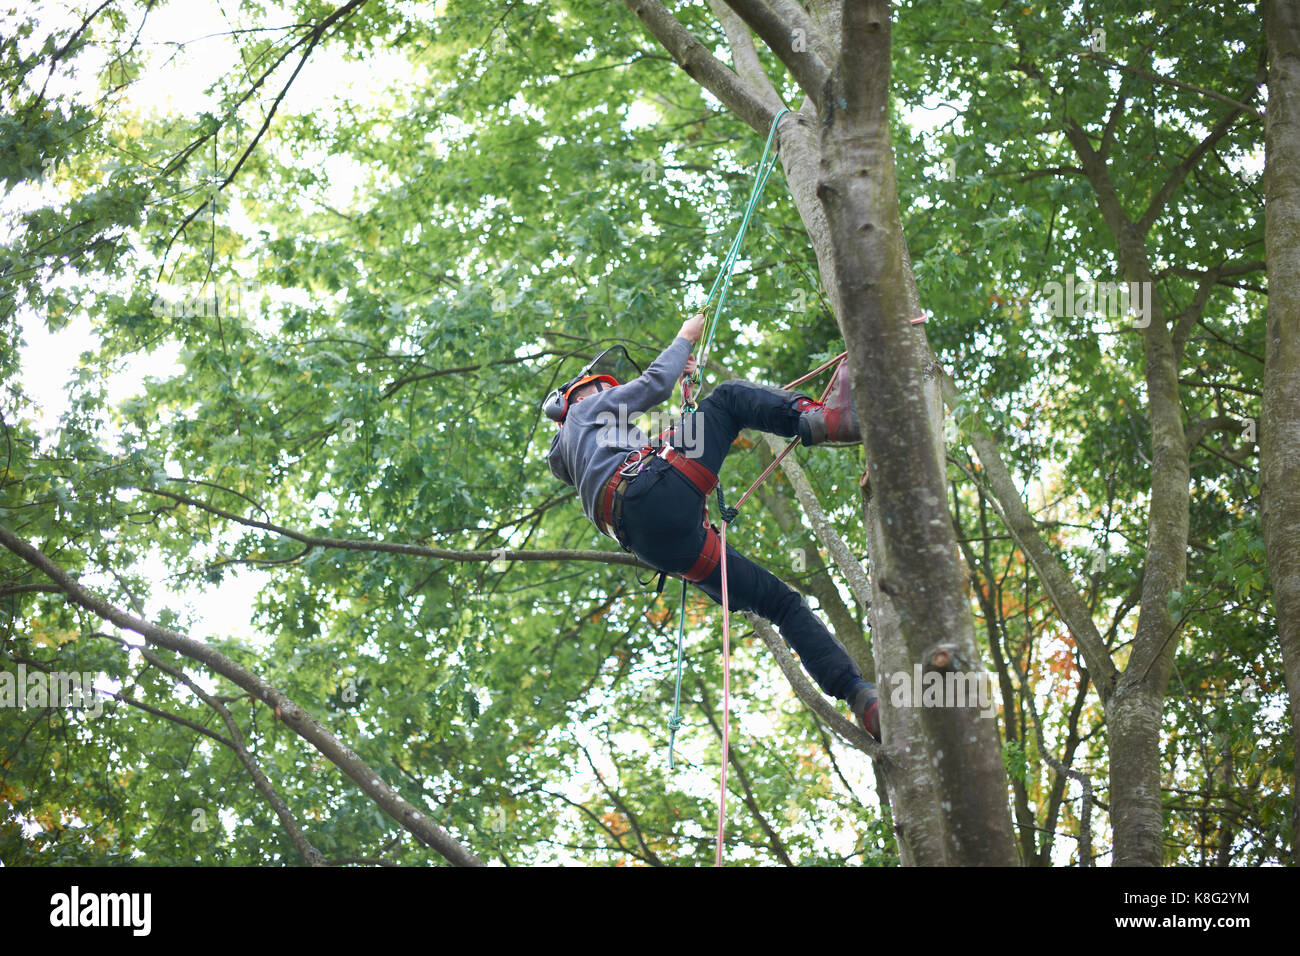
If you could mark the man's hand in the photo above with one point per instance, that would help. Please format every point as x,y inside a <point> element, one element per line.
<point>690,367</point>
<point>693,328</point>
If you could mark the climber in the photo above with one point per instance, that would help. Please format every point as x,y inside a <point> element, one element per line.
<point>648,495</point>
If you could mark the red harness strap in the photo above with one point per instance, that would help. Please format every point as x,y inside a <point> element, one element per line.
<point>605,518</point>
<point>708,559</point>
<point>694,472</point>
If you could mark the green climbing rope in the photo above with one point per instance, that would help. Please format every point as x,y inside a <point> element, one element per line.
<point>723,282</point>
<point>720,286</point>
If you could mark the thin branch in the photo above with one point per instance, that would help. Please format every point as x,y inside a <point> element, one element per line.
<point>844,558</point>
<point>1055,578</point>
<point>1240,105</point>
<point>174,718</point>
<point>415,550</point>
<point>747,795</point>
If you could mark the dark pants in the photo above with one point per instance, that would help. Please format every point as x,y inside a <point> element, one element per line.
<point>663,525</point>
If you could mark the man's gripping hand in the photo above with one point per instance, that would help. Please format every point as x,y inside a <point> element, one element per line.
<point>693,328</point>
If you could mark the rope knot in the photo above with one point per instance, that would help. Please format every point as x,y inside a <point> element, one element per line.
<point>727,513</point>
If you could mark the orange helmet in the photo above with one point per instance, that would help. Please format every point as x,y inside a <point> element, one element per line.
<point>607,380</point>
<point>607,368</point>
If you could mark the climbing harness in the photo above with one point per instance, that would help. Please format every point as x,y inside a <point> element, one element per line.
<point>610,513</point>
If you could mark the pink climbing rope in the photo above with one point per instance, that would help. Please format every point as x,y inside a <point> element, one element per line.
<point>726,701</point>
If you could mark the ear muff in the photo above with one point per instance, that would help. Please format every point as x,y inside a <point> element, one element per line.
<point>556,405</point>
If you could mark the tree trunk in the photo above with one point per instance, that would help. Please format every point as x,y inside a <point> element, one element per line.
<point>1136,809</point>
<point>944,774</point>
<point>921,570</point>
<point>1136,816</point>
<point>1279,444</point>
<point>911,782</point>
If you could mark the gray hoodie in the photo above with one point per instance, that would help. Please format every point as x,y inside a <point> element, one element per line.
<point>597,433</point>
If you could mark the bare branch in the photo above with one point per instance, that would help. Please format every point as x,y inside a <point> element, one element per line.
<point>844,558</point>
<point>415,550</point>
<point>844,728</point>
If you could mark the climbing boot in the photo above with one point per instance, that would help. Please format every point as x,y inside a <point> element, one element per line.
<point>866,707</point>
<point>835,421</point>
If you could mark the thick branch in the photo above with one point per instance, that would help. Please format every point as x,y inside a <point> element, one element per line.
<point>702,66</point>
<point>782,25</point>
<point>744,58</point>
<point>845,729</point>
<point>309,853</point>
<point>1051,572</point>
<point>1181,171</point>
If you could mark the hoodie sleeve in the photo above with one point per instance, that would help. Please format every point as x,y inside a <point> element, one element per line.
<point>655,384</point>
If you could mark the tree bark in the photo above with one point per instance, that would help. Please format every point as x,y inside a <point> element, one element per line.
<point>1279,441</point>
<point>922,570</point>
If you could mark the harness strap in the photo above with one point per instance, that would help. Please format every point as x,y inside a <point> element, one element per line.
<point>604,515</point>
<point>696,473</point>
<point>708,559</point>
